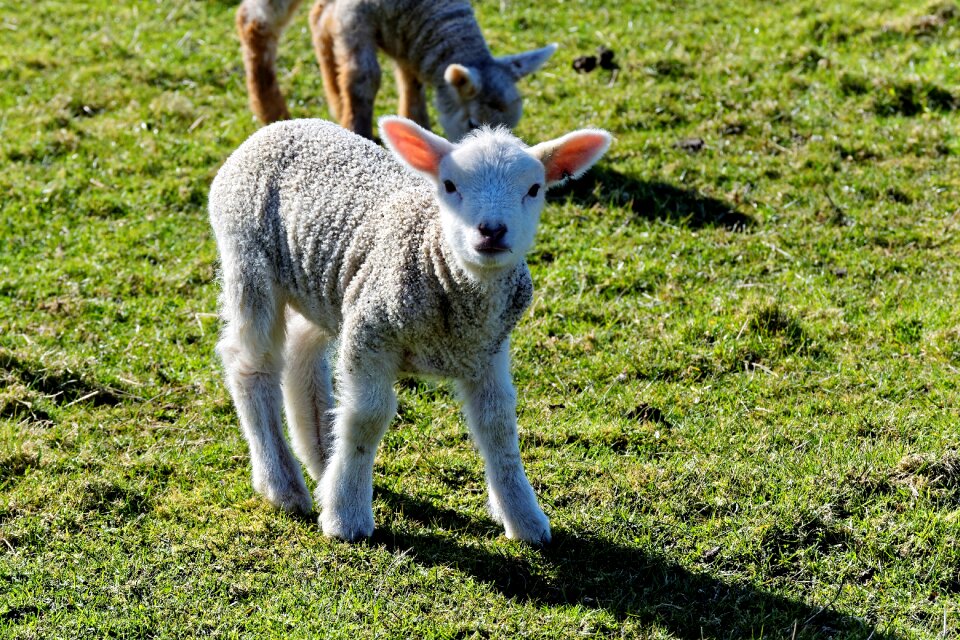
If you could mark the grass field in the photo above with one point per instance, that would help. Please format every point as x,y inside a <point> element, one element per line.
<point>738,381</point>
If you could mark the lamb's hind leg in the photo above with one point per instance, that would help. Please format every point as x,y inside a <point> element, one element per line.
<point>307,393</point>
<point>260,23</point>
<point>252,352</point>
<point>490,407</point>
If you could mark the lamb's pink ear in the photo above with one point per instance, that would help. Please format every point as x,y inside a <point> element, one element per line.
<point>464,79</point>
<point>413,144</point>
<point>571,155</point>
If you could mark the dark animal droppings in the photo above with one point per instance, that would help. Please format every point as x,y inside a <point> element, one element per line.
<point>693,145</point>
<point>585,64</point>
<point>606,59</point>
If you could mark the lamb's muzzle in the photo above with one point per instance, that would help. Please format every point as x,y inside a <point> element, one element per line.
<point>491,238</point>
<point>323,234</point>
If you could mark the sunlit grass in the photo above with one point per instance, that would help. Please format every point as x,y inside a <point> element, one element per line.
<point>738,379</point>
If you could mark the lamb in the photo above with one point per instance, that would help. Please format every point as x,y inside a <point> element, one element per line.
<point>414,258</point>
<point>433,43</point>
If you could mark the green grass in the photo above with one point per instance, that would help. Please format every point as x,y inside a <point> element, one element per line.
<point>738,381</point>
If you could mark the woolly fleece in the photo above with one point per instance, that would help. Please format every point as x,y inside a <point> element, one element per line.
<point>348,236</point>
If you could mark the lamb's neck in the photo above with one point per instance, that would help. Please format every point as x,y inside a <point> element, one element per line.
<point>454,278</point>
<point>450,35</point>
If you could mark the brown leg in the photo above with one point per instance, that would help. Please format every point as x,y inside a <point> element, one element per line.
<point>322,27</point>
<point>359,79</point>
<point>259,37</point>
<point>413,97</point>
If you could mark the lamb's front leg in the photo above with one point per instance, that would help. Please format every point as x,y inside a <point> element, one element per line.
<point>359,76</point>
<point>412,97</point>
<point>490,407</point>
<point>367,403</point>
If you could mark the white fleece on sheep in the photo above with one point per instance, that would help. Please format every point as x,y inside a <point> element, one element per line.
<point>321,234</point>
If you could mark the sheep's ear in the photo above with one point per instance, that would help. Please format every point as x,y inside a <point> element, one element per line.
<point>522,64</point>
<point>465,80</point>
<point>414,145</point>
<point>571,155</point>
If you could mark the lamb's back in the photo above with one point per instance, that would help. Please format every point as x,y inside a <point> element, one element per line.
<point>309,199</point>
<point>307,167</point>
<point>420,33</point>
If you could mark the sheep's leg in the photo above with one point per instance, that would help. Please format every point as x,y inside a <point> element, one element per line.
<point>260,23</point>
<point>413,97</point>
<point>322,26</point>
<point>307,393</point>
<point>367,404</point>
<point>490,408</point>
<point>251,349</point>
<point>358,75</point>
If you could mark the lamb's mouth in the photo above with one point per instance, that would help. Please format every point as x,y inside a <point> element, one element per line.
<point>492,249</point>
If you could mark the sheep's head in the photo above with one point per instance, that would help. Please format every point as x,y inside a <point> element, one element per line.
<point>490,187</point>
<point>485,94</point>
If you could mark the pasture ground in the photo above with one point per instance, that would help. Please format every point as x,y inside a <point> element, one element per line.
<point>738,381</point>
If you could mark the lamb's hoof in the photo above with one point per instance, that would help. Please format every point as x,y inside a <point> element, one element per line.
<point>534,538</point>
<point>534,529</point>
<point>527,523</point>
<point>346,525</point>
<point>291,497</point>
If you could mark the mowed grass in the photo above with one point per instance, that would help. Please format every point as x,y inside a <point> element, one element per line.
<point>738,380</point>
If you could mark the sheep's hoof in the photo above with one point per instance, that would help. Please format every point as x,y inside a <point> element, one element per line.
<point>534,538</point>
<point>292,498</point>
<point>347,526</point>
<point>534,529</point>
<point>527,523</point>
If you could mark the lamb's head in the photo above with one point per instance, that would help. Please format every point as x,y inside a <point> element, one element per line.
<point>490,187</point>
<point>485,93</point>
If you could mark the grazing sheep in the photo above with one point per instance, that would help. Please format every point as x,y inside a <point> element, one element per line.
<point>321,234</point>
<point>434,43</point>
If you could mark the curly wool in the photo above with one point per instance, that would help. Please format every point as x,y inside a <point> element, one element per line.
<point>353,239</point>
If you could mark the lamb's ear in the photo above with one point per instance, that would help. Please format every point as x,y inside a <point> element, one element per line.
<point>521,64</point>
<point>464,79</point>
<point>414,145</point>
<point>571,155</point>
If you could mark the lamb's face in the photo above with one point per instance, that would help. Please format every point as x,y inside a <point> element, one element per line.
<point>485,96</point>
<point>490,186</point>
<point>491,193</point>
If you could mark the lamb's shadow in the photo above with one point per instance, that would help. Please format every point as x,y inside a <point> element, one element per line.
<point>653,200</point>
<point>624,581</point>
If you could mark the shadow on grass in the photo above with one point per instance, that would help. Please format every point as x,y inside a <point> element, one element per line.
<point>624,581</point>
<point>61,387</point>
<point>653,200</point>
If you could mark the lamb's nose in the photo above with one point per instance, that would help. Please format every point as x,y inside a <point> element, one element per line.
<point>494,232</point>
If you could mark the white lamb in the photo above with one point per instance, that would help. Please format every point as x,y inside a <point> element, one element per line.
<point>323,234</point>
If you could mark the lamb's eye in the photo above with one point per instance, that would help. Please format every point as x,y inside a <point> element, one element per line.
<point>534,190</point>
<point>449,186</point>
